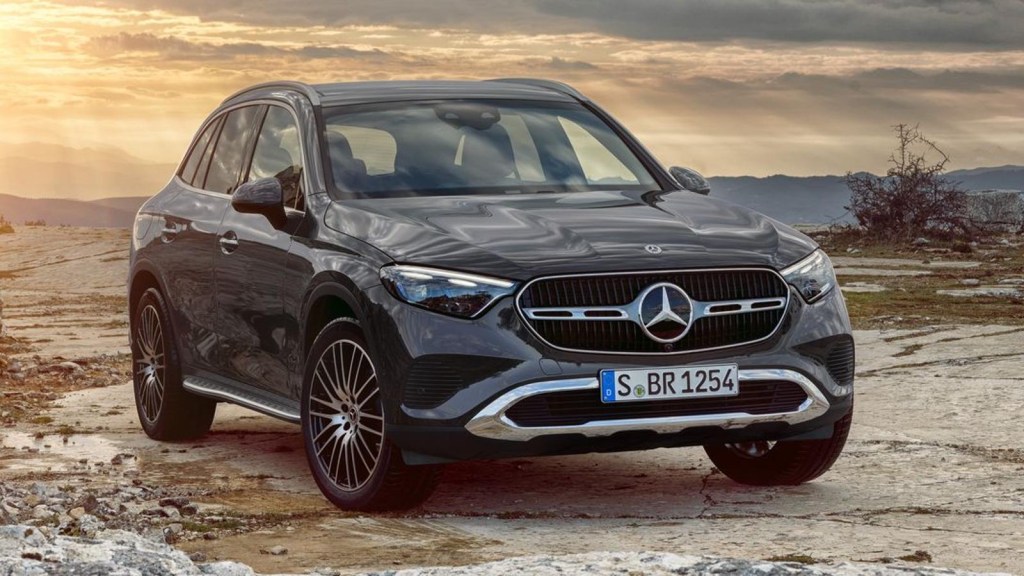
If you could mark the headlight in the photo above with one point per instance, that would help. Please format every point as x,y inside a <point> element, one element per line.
<point>813,277</point>
<point>455,293</point>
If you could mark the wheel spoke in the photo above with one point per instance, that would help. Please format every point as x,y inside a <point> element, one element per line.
<point>324,402</point>
<point>327,428</point>
<point>373,394</point>
<point>347,442</point>
<point>371,430</point>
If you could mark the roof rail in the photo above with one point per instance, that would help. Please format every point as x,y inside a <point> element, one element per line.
<point>305,89</point>
<point>560,87</point>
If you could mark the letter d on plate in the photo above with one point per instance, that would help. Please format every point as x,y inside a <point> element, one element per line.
<point>608,386</point>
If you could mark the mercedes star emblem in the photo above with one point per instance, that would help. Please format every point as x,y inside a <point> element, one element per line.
<point>665,312</point>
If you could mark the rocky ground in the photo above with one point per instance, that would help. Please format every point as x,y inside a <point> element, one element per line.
<point>932,475</point>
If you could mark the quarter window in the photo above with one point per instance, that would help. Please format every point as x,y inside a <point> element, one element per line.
<point>226,164</point>
<point>278,155</point>
<point>188,171</point>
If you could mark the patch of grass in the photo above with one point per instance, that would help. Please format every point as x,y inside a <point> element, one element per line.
<point>918,556</point>
<point>908,351</point>
<point>196,527</point>
<point>795,557</point>
<point>42,420</point>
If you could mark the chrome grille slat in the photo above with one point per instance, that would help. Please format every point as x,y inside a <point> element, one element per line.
<point>756,298</point>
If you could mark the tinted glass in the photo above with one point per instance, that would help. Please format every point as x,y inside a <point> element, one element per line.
<point>278,155</point>
<point>188,171</point>
<point>477,147</point>
<point>226,165</point>
<point>204,165</point>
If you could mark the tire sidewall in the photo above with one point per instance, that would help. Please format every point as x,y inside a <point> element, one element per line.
<point>172,367</point>
<point>341,329</point>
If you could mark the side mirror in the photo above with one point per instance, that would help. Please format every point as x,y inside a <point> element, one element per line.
<point>263,196</point>
<point>690,180</point>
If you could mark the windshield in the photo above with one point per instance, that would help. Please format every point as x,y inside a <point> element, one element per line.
<point>456,147</point>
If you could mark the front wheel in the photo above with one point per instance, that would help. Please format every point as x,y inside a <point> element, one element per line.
<point>764,463</point>
<point>352,459</point>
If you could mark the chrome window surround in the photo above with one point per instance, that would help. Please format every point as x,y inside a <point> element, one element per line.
<point>700,309</point>
<point>491,422</point>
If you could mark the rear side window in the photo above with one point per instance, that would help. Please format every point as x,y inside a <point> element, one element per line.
<point>229,154</point>
<point>188,171</point>
<point>278,155</point>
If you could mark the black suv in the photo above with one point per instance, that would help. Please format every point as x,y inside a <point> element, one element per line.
<point>421,272</point>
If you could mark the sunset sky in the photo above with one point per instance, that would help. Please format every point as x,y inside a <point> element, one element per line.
<point>728,87</point>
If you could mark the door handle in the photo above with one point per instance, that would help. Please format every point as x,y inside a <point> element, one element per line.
<point>170,231</point>
<point>228,242</point>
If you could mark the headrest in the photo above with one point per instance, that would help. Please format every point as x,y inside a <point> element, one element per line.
<point>487,155</point>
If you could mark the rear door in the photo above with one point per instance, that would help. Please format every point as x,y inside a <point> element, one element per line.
<point>252,262</point>
<point>188,241</point>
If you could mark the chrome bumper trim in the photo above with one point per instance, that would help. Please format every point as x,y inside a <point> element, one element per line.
<point>491,422</point>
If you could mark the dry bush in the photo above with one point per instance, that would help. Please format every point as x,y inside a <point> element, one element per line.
<point>5,226</point>
<point>913,198</point>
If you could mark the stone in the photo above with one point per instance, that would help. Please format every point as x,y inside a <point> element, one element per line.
<point>90,525</point>
<point>176,502</point>
<point>921,242</point>
<point>274,550</point>
<point>970,282</point>
<point>77,513</point>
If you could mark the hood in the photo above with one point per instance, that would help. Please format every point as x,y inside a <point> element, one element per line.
<point>525,236</point>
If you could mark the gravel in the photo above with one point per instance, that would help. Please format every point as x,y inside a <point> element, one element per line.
<point>29,551</point>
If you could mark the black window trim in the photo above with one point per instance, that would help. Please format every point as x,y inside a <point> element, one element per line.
<point>250,147</point>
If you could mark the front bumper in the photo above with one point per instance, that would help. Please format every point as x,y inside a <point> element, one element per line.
<point>492,421</point>
<point>504,363</point>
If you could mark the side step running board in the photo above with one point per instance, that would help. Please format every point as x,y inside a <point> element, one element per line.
<point>258,402</point>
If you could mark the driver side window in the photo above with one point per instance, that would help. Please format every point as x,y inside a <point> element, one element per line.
<point>279,155</point>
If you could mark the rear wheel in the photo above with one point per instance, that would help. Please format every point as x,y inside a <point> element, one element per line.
<point>764,463</point>
<point>352,459</point>
<point>166,410</point>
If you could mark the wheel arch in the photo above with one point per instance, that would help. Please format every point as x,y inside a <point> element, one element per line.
<point>143,278</point>
<point>333,297</point>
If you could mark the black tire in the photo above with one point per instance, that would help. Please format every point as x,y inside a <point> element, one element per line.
<point>166,410</point>
<point>782,464</point>
<point>343,426</point>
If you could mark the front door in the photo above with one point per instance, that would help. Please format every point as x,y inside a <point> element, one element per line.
<point>251,264</point>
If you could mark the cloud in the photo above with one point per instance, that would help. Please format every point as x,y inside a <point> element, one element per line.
<point>174,48</point>
<point>994,24</point>
<point>556,63</point>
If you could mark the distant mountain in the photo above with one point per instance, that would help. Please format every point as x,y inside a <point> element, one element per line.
<point>52,171</point>
<point>999,178</point>
<point>126,203</point>
<point>822,199</point>
<point>56,211</point>
<point>791,199</point>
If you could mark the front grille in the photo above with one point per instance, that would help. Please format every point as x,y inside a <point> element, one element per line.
<point>576,407</point>
<point>624,336</point>
<point>841,361</point>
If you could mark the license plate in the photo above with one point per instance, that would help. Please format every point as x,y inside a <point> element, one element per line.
<point>669,383</point>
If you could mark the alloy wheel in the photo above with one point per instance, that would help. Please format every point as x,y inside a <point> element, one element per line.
<point>346,415</point>
<point>150,367</point>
